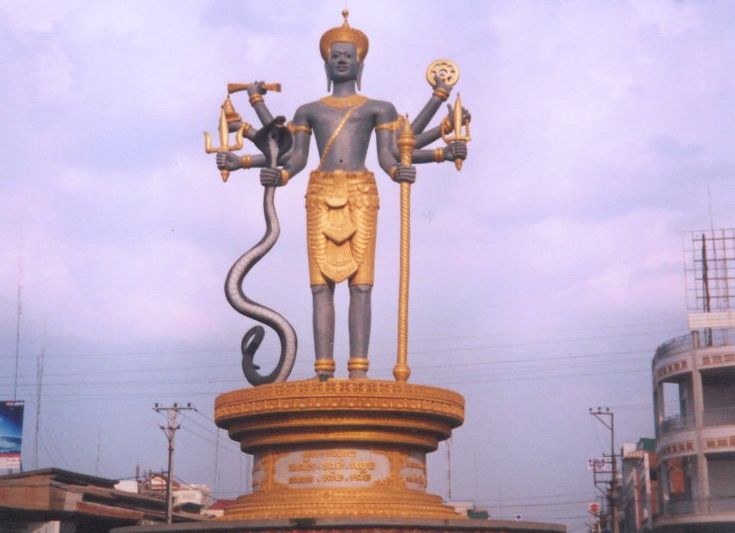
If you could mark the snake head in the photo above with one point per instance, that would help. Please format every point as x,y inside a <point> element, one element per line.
<point>274,139</point>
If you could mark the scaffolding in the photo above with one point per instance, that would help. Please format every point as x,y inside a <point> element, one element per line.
<point>709,268</point>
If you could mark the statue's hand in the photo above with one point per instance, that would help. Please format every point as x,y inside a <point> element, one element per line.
<point>405,174</point>
<point>466,116</point>
<point>228,161</point>
<point>256,88</point>
<point>441,84</point>
<point>455,150</point>
<point>270,177</point>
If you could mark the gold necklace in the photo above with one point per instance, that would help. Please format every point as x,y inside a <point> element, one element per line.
<point>340,102</point>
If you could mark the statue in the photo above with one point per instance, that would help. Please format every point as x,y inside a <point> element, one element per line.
<point>341,197</point>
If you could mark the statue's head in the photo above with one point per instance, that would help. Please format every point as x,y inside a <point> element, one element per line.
<point>343,49</point>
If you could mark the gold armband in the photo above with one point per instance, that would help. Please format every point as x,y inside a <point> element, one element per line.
<point>439,155</point>
<point>247,161</point>
<point>389,126</point>
<point>284,176</point>
<point>439,93</point>
<point>392,172</point>
<point>296,128</point>
<point>255,98</point>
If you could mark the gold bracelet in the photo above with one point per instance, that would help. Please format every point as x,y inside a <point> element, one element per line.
<point>285,176</point>
<point>439,93</point>
<point>439,155</point>
<point>255,98</point>
<point>247,161</point>
<point>393,171</point>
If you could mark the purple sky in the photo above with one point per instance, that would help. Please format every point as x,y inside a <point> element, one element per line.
<point>543,275</point>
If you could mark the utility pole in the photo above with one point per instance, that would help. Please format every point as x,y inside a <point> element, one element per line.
<point>170,431</point>
<point>612,496</point>
<point>19,311</point>
<point>448,442</point>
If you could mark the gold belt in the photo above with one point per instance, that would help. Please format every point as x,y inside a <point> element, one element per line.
<point>337,177</point>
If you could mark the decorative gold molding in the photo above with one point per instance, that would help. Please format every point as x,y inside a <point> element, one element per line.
<point>341,102</point>
<point>341,394</point>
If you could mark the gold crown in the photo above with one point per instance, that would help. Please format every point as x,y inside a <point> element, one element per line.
<point>344,34</point>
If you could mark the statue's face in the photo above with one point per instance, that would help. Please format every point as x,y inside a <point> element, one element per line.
<point>343,64</point>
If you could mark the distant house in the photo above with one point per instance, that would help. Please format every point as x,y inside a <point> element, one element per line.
<point>639,491</point>
<point>54,500</point>
<point>217,509</point>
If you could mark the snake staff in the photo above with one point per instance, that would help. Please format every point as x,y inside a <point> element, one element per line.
<point>270,139</point>
<point>244,305</point>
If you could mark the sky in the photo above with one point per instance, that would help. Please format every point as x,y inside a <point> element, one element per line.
<point>543,275</point>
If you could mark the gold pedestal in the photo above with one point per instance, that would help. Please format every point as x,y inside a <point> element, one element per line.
<point>339,448</point>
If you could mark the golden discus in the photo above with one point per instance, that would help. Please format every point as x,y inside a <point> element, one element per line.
<point>446,69</point>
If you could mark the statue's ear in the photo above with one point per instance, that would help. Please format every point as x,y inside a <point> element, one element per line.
<point>359,76</point>
<point>329,79</point>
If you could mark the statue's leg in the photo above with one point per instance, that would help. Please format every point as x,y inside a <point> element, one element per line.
<point>359,323</point>
<point>323,301</point>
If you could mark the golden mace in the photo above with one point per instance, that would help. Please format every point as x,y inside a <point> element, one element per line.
<point>406,143</point>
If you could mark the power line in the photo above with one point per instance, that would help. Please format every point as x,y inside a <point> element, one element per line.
<point>419,367</point>
<point>139,353</point>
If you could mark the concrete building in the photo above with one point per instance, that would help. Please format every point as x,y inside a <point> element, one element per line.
<point>639,486</point>
<point>52,500</point>
<point>694,403</point>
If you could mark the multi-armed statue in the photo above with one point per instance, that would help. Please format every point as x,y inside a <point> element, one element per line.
<point>341,197</point>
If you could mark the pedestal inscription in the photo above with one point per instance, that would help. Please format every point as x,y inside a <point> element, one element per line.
<point>331,468</point>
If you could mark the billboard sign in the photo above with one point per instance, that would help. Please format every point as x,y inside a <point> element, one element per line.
<point>11,434</point>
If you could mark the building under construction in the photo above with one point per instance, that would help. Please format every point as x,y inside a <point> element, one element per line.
<point>694,396</point>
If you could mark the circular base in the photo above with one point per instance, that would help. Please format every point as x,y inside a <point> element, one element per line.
<point>354,526</point>
<point>339,448</point>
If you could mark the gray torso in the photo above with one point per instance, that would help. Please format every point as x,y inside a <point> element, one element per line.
<point>348,150</point>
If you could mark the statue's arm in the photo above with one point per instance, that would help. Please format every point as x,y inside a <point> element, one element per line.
<point>428,137</point>
<point>450,152</point>
<point>255,94</point>
<point>446,127</point>
<point>439,96</point>
<point>385,119</point>
<point>232,161</point>
<point>301,128</point>
<point>250,130</point>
